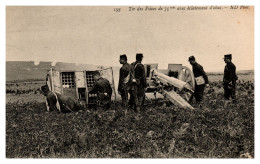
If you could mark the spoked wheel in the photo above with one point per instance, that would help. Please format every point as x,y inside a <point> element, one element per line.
<point>187,76</point>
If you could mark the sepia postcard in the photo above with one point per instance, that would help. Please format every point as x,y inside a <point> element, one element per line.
<point>130,82</point>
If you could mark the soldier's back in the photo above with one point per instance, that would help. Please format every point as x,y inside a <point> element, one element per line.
<point>105,84</point>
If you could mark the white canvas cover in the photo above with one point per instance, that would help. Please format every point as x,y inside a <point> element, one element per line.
<point>108,74</point>
<point>80,79</point>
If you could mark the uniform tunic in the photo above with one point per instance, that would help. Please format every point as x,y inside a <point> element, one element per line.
<point>66,103</point>
<point>104,92</point>
<point>199,89</point>
<point>139,73</point>
<point>199,71</point>
<point>229,81</point>
<point>124,76</point>
<point>230,73</point>
<point>126,86</point>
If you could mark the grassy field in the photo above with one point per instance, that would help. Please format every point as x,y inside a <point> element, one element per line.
<point>217,129</point>
<point>248,77</point>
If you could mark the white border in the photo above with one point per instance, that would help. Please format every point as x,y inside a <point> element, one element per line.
<point>4,3</point>
<point>128,2</point>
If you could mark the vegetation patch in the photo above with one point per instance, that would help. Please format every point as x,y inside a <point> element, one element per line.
<point>216,129</point>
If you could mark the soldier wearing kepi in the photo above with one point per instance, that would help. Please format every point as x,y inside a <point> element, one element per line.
<point>58,102</point>
<point>103,90</point>
<point>139,74</point>
<point>230,78</point>
<point>126,84</point>
<point>201,79</point>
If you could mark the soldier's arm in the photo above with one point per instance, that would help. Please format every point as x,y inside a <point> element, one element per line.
<point>204,74</point>
<point>233,73</point>
<point>47,105</point>
<point>121,79</point>
<point>142,71</point>
<point>108,88</point>
<point>94,89</point>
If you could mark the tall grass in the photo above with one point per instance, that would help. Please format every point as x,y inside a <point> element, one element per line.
<point>217,129</point>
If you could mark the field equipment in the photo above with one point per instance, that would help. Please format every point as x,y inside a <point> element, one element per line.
<point>76,82</point>
<point>176,84</point>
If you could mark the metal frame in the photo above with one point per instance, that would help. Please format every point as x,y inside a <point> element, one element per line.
<point>52,77</point>
<point>174,89</point>
<point>87,88</point>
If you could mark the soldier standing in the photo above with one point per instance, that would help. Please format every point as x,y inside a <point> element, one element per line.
<point>126,84</point>
<point>201,79</point>
<point>139,74</point>
<point>103,89</point>
<point>229,79</point>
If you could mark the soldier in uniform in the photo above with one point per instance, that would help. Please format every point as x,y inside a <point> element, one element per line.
<point>126,84</point>
<point>201,79</point>
<point>139,74</point>
<point>103,90</point>
<point>229,79</point>
<point>58,102</point>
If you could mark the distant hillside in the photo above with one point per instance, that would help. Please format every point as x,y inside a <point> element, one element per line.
<point>28,71</point>
<point>240,72</point>
<point>23,70</point>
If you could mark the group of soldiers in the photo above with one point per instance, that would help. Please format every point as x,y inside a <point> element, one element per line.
<point>201,79</point>
<point>132,81</point>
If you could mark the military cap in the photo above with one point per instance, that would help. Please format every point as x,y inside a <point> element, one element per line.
<point>191,58</point>
<point>124,57</point>
<point>139,56</point>
<point>45,88</point>
<point>228,56</point>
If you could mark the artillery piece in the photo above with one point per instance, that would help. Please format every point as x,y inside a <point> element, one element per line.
<point>177,83</point>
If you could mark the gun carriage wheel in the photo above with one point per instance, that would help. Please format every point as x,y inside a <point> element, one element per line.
<point>177,85</point>
<point>187,76</point>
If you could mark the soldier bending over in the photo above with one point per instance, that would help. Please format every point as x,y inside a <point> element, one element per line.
<point>104,91</point>
<point>58,102</point>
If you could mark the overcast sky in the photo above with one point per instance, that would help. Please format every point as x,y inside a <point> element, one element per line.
<point>98,35</point>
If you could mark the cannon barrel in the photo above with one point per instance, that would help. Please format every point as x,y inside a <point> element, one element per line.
<point>173,81</point>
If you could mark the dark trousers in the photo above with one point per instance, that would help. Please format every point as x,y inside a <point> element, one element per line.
<point>104,101</point>
<point>140,94</point>
<point>198,93</point>
<point>229,90</point>
<point>133,101</point>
